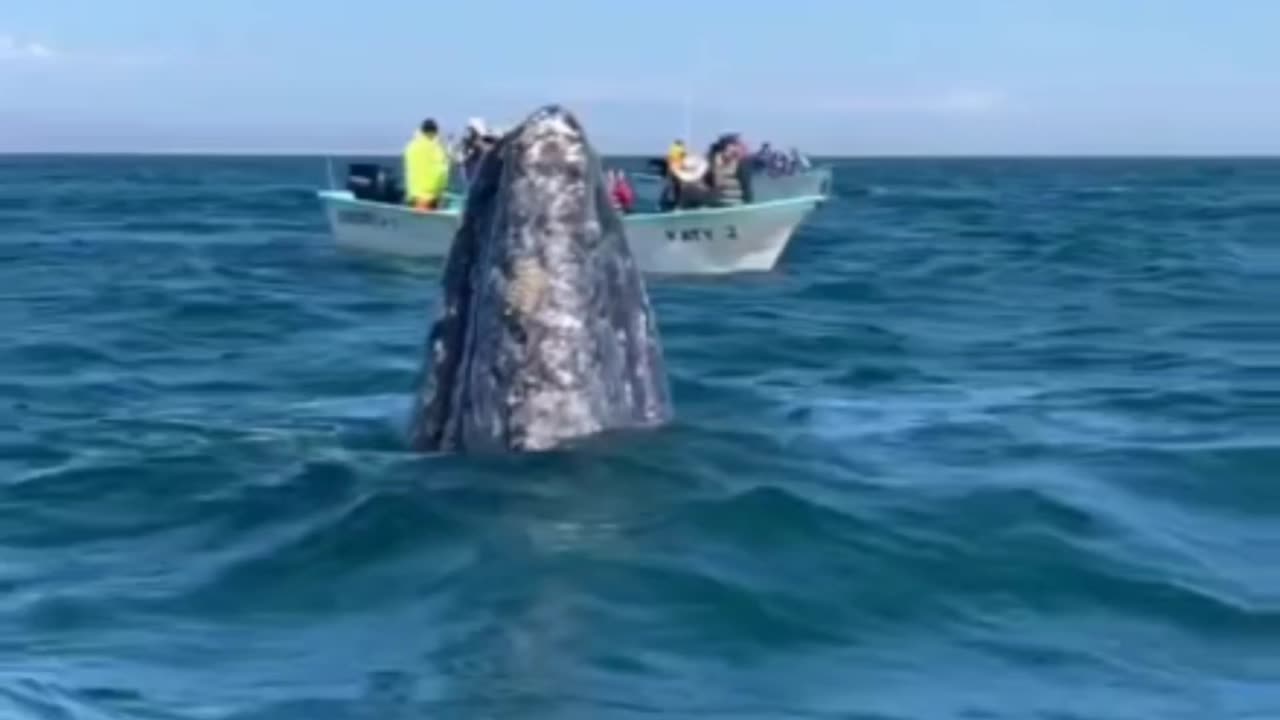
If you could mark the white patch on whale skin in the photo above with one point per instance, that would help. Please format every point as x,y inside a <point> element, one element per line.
<point>558,125</point>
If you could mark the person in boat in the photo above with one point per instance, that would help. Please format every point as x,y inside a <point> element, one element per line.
<point>675,155</point>
<point>476,141</point>
<point>621,192</point>
<point>687,185</point>
<point>729,175</point>
<point>426,168</point>
<point>760,161</point>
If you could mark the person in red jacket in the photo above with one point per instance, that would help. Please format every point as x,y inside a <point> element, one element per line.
<point>621,192</point>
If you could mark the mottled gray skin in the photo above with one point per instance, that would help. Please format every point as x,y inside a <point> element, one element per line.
<point>546,334</point>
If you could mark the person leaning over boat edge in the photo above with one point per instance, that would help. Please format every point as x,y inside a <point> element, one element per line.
<point>426,168</point>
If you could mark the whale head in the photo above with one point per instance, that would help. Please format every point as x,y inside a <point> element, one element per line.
<point>545,333</point>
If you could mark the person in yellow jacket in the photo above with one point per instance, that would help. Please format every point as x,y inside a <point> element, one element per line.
<point>675,156</point>
<point>426,168</point>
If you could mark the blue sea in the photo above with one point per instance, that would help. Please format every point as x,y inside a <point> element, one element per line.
<point>997,439</point>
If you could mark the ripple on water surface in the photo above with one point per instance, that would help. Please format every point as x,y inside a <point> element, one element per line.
<point>998,440</point>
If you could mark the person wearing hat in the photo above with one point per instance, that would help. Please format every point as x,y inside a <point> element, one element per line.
<point>675,155</point>
<point>477,140</point>
<point>426,168</point>
<point>688,188</point>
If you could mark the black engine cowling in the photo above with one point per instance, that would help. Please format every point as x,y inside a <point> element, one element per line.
<point>370,181</point>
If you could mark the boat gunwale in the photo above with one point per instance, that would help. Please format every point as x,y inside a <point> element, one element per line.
<point>648,176</point>
<point>345,196</point>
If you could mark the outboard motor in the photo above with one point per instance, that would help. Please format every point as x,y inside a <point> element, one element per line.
<point>370,181</point>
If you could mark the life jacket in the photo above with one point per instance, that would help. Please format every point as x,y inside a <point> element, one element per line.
<point>724,179</point>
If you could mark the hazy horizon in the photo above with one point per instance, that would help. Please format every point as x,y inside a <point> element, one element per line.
<point>394,154</point>
<point>920,78</point>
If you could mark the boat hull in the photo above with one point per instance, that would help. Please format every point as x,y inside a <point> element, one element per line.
<point>703,241</point>
<point>723,240</point>
<point>381,228</point>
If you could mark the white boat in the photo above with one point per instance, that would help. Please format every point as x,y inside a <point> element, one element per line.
<point>386,228</point>
<point>703,241</point>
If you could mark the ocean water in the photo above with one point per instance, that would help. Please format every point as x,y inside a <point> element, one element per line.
<point>998,439</point>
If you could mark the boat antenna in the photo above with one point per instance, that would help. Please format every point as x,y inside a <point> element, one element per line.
<point>691,86</point>
<point>688,116</point>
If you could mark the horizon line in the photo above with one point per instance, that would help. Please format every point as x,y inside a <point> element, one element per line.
<point>333,154</point>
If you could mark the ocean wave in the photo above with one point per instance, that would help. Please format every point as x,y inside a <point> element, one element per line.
<point>999,429</point>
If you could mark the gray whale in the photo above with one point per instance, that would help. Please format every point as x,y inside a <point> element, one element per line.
<point>545,334</point>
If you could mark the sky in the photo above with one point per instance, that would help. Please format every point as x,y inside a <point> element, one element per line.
<point>832,77</point>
